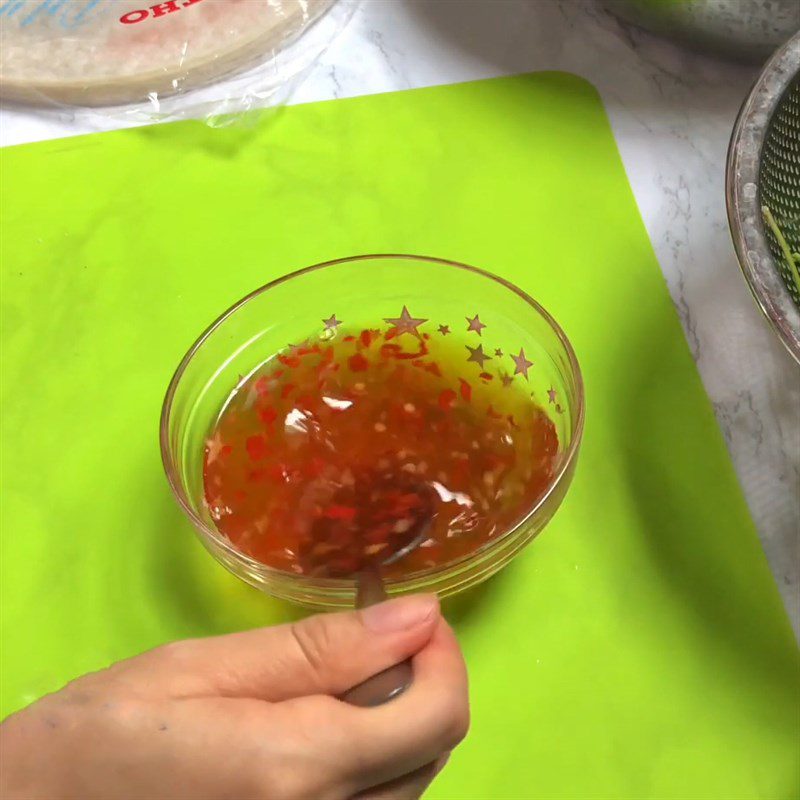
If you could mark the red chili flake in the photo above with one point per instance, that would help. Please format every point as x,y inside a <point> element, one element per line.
<point>395,351</point>
<point>366,338</point>
<point>226,450</point>
<point>268,415</point>
<point>287,390</point>
<point>447,399</point>
<point>410,356</point>
<point>390,350</point>
<point>433,368</point>
<point>358,363</point>
<point>307,351</point>
<point>465,390</point>
<point>340,512</point>
<point>486,376</point>
<point>277,374</point>
<point>327,354</point>
<point>262,385</point>
<point>256,447</point>
<point>349,339</point>
<point>289,361</point>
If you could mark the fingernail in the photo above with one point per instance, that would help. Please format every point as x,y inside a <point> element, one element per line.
<point>400,614</point>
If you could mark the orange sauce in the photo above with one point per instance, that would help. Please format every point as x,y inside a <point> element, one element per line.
<point>299,440</point>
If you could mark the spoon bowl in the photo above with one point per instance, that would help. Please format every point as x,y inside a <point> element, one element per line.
<point>372,521</point>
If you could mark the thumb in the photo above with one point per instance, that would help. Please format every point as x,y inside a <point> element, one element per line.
<point>322,654</point>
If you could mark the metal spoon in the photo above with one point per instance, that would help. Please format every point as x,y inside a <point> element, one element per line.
<point>375,498</point>
<point>395,680</point>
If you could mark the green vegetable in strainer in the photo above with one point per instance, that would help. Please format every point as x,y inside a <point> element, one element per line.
<point>792,259</point>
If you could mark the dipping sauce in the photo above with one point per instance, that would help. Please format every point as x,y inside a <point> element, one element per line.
<point>301,439</point>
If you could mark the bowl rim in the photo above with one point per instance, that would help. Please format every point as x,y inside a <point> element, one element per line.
<point>220,541</point>
<point>743,166</point>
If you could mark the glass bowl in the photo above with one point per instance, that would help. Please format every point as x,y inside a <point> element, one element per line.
<point>362,290</point>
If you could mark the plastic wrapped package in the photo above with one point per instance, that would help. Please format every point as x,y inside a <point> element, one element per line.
<point>171,59</point>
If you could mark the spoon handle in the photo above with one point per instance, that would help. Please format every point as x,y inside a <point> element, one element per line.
<point>391,682</point>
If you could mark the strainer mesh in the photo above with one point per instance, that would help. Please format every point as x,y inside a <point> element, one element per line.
<point>779,179</point>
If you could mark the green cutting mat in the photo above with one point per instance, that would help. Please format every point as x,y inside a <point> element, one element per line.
<point>637,650</point>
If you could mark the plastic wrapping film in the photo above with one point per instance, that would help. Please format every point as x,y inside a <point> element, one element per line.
<point>167,60</point>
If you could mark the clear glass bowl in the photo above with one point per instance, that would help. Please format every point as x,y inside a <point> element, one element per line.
<point>362,290</point>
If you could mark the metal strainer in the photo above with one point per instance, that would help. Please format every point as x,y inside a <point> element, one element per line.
<point>764,171</point>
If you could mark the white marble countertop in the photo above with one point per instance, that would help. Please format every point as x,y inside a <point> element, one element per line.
<point>672,113</point>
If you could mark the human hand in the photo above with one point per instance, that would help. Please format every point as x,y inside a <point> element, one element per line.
<point>251,715</point>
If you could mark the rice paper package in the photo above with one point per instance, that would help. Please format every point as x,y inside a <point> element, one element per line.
<point>166,60</point>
